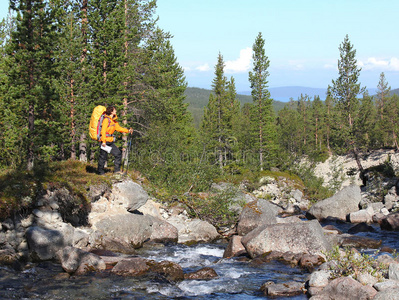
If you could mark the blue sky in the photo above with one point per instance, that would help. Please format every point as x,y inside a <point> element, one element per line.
<point>302,38</point>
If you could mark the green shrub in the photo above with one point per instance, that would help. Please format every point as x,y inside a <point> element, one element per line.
<point>350,262</point>
<point>216,208</point>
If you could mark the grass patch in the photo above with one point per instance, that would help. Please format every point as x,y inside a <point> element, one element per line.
<point>19,189</point>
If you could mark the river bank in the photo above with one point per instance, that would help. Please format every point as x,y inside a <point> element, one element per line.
<point>279,244</point>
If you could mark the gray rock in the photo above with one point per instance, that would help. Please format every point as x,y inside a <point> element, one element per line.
<point>386,285</point>
<point>45,243</point>
<point>297,195</point>
<point>205,273</point>
<point>133,229</point>
<point>194,230</point>
<point>255,214</point>
<point>394,271</point>
<point>346,288</point>
<point>129,194</point>
<point>357,241</point>
<point>151,208</point>
<point>80,238</point>
<point>338,206</point>
<point>79,262</point>
<point>389,200</point>
<point>366,279</point>
<point>305,237</point>
<point>285,289</point>
<point>97,240</point>
<point>362,216</point>
<point>163,232</point>
<point>234,247</point>
<point>390,294</point>
<point>135,266</point>
<point>319,278</point>
<point>8,224</point>
<point>390,222</point>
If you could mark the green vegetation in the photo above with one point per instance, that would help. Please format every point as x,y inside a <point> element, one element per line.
<point>19,188</point>
<point>58,60</point>
<point>349,262</point>
<point>216,207</point>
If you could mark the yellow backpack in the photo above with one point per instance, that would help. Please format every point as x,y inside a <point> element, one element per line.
<point>96,121</point>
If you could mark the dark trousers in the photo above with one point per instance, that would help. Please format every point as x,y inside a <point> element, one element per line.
<point>104,156</point>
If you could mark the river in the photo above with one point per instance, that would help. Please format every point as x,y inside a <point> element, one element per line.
<point>237,278</point>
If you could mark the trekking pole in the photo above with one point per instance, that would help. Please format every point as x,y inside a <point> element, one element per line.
<point>129,145</point>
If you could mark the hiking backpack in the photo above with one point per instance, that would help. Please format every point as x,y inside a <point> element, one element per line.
<point>96,122</point>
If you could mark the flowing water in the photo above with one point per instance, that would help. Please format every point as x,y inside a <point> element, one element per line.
<point>236,279</point>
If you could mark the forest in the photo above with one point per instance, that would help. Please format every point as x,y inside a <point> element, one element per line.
<point>61,58</point>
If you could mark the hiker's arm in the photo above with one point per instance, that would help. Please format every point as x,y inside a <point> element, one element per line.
<point>121,129</point>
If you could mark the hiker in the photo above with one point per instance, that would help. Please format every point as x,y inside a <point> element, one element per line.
<point>109,125</point>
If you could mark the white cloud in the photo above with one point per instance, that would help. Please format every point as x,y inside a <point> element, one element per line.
<point>203,68</point>
<point>330,66</point>
<point>373,63</point>
<point>296,65</point>
<point>241,64</point>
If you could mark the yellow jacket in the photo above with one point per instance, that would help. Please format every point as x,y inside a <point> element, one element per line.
<point>109,126</point>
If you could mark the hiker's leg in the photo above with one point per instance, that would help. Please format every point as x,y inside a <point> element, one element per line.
<point>118,157</point>
<point>102,158</point>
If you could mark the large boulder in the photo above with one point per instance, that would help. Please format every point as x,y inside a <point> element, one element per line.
<point>394,271</point>
<point>390,222</point>
<point>163,232</point>
<point>305,237</point>
<point>79,262</point>
<point>129,194</point>
<point>255,214</point>
<point>338,206</point>
<point>45,243</point>
<point>345,288</point>
<point>133,229</point>
<point>135,266</point>
<point>286,289</point>
<point>391,294</point>
<point>194,230</point>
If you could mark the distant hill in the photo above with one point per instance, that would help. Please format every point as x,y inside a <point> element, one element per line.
<point>285,93</point>
<point>395,91</point>
<point>198,98</point>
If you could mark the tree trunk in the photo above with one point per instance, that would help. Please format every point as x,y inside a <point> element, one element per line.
<point>83,148</point>
<point>31,144</point>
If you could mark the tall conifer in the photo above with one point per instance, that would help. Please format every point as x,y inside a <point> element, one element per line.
<point>264,117</point>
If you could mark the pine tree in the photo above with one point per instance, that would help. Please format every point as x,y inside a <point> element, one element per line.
<point>382,99</point>
<point>33,95</point>
<point>10,131</point>
<point>264,118</point>
<point>345,90</point>
<point>365,128</point>
<point>167,82</point>
<point>218,118</point>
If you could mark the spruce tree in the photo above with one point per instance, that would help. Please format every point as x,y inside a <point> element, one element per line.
<point>264,117</point>
<point>33,74</point>
<point>382,100</point>
<point>345,90</point>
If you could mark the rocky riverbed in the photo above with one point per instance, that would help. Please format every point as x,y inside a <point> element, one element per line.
<point>277,224</point>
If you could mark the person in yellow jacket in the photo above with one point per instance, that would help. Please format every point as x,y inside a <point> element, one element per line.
<point>109,126</point>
